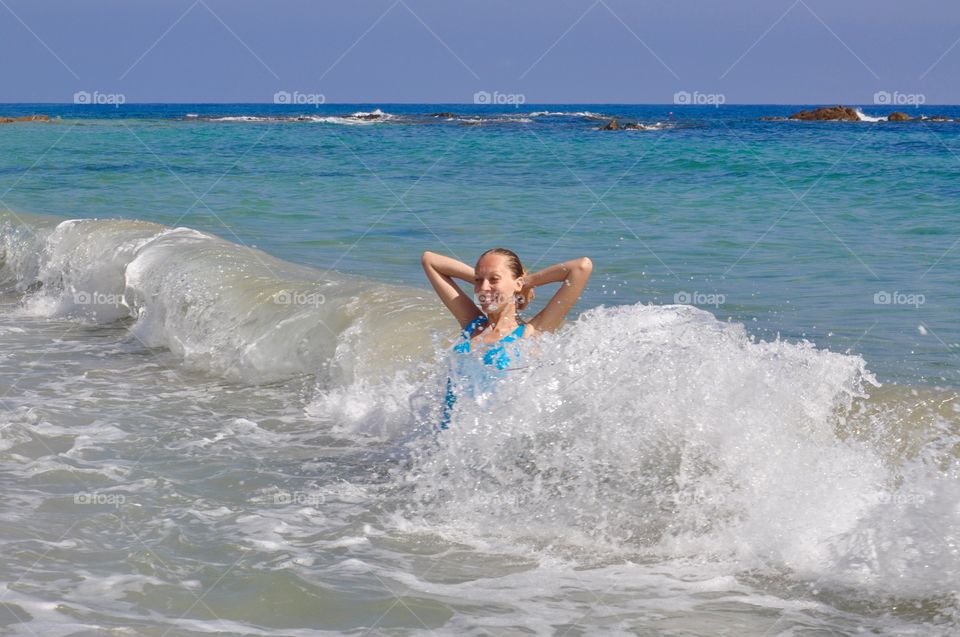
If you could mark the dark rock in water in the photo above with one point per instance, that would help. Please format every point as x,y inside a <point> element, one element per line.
<point>830,113</point>
<point>770,118</point>
<point>444,115</point>
<point>898,116</point>
<point>613,124</point>
<point>634,126</point>
<point>938,118</point>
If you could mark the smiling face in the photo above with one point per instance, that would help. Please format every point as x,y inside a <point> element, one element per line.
<point>494,283</point>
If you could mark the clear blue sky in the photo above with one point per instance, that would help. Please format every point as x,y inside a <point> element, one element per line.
<point>584,51</point>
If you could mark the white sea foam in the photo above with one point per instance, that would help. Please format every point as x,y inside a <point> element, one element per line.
<point>868,118</point>
<point>587,114</point>
<point>660,431</point>
<point>242,118</point>
<point>359,118</point>
<point>374,114</point>
<point>343,121</point>
<point>497,119</point>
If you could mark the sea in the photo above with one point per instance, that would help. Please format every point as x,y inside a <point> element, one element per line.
<point>222,370</point>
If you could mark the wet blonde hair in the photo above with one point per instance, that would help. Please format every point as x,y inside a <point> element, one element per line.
<point>516,268</point>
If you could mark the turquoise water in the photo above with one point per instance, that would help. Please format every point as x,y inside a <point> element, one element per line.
<point>221,368</point>
<point>797,226</point>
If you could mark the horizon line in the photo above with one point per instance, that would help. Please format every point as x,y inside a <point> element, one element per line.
<point>513,106</point>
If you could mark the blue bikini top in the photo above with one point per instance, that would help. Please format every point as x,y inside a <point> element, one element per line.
<point>497,356</point>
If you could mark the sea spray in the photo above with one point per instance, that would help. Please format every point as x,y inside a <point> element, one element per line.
<point>658,432</point>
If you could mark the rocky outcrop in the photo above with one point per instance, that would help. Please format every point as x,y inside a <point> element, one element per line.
<point>829,113</point>
<point>443,115</point>
<point>614,124</point>
<point>899,116</point>
<point>847,114</point>
<point>25,118</point>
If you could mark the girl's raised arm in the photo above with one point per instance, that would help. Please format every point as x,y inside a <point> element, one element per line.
<point>574,275</point>
<point>441,271</point>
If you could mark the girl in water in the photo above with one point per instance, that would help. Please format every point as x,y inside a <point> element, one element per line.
<point>502,287</point>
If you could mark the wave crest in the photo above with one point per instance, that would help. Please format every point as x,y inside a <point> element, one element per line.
<point>224,308</point>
